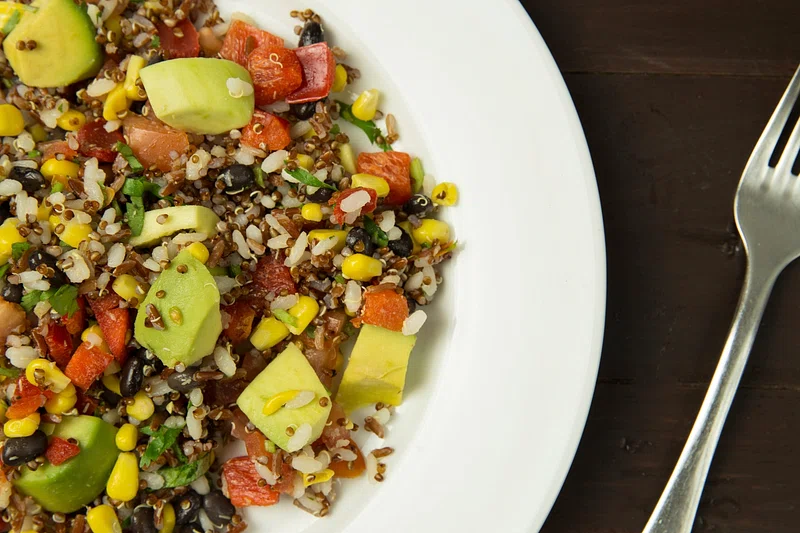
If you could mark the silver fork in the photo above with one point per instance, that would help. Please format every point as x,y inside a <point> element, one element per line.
<point>767,210</point>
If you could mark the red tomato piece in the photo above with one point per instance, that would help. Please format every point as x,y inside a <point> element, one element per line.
<point>242,38</point>
<point>152,141</point>
<point>174,47</point>
<point>276,73</point>
<point>60,450</point>
<point>395,168</point>
<point>77,322</point>
<point>240,323</point>
<point>51,149</point>
<point>95,141</point>
<point>319,67</point>
<point>107,302</point>
<point>272,275</point>
<point>254,442</point>
<point>274,132</point>
<point>340,215</point>
<point>242,479</point>
<point>87,364</point>
<point>386,309</point>
<point>59,344</point>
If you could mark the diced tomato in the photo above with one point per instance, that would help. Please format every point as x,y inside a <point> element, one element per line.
<point>336,200</point>
<point>59,343</point>
<point>386,309</point>
<point>319,67</point>
<point>87,364</point>
<point>60,450</point>
<point>25,406</point>
<point>77,322</point>
<point>242,480</point>
<point>274,132</point>
<point>51,149</point>
<point>254,442</point>
<point>273,276</point>
<point>115,323</point>
<point>242,39</point>
<point>276,73</point>
<point>395,168</point>
<point>349,469</point>
<point>152,141</point>
<point>107,302</point>
<point>240,323</point>
<point>26,389</point>
<point>174,47</point>
<point>95,141</point>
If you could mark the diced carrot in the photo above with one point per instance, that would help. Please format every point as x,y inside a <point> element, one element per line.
<point>274,132</point>
<point>87,364</point>
<point>386,309</point>
<point>59,343</point>
<point>394,167</point>
<point>60,450</point>
<point>240,323</point>
<point>242,38</point>
<point>242,480</point>
<point>25,406</point>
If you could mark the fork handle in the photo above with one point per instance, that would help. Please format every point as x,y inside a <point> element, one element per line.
<point>676,509</point>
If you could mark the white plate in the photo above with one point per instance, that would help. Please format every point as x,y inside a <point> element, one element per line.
<point>500,382</point>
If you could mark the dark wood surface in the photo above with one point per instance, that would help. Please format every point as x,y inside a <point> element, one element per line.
<point>673,95</point>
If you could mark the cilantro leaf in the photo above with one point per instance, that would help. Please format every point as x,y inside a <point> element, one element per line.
<point>259,174</point>
<point>180,476</point>
<point>307,178</point>
<point>135,212</point>
<point>12,21</point>
<point>367,126</point>
<point>379,236</point>
<point>19,248</point>
<point>127,153</point>
<point>285,317</point>
<point>234,270</point>
<point>340,279</point>
<point>33,154</point>
<point>30,300</point>
<point>4,270</point>
<point>65,300</point>
<point>335,130</point>
<point>156,42</point>
<point>10,372</point>
<point>161,440</point>
<point>57,187</point>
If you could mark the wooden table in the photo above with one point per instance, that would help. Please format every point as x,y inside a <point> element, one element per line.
<point>673,95</point>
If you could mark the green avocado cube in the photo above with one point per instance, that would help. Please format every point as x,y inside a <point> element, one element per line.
<point>186,297</point>
<point>174,219</point>
<point>290,371</point>
<point>377,368</point>
<point>78,481</point>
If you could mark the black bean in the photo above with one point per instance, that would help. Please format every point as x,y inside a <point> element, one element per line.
<point>321,196</point>
<point>218,508</point>
<point>5,211</point>
<point>158,58</point>
<point>312,34</point>
<point>303,111</point>
<point>30,178</point>
<point>186,507</point>
<point>110,398</point>
<point>12,293</point>
<point>40,257</point>
<point>138,106</point>
<point>182,381</point>
<point>143,520</point>
<point>402,246</point>
<point>412,304</point>
<point>419,205</point>
<point>20,450</point>
<point>131,377</point>
<point>237,178</point>
<point>359,241</point>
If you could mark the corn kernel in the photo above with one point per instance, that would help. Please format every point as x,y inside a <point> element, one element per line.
<point>22,427</point>
<point>72,120</point>
<point>3,409</point>
<point>276,402</point>
<point>11,121</point>
<point>75,233</point>
<point>63,401</point>
<point>361,267</point>
<point>116,103</point>
<point>305,161</point>
<point>48,373</point>
<point>94,335</point>
<point>312,212</point>
<point>445,193</point>
<point>368,181</point>
<point>199,251</point>
<point>43,212</point>
<point>167,519</point>
<point>113,24</point>
<point>317,477</point>
<point>128,288</point>
<point>38,132</point>
<point>103,519</point>
<point>366,105</point>
<point>309,134</point>
<point>132,91</point>
<point>347,158</point>
<point>269,332</point>
<point>322,234</point>
<point>339,79</point>
<point>54,167</point>
<point>126,437</point>
<point>431,230</point>
<point>111,382</point>
<point>305,310</point>
<point>8,237</point>
<point>123,483</point>
<point>142,407</point>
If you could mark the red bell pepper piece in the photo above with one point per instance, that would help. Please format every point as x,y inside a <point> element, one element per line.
<point>95,141</point>
<point>174,47</point>
<point>336,200</point>
<point>87,364</point>
<point>240,323</point>
<point>25,406</point>
<point>242,480</point>
<point>242,38</point>
<point>274,132</point>
<point>77,322</point>
<point>386,309</point>
<point>26,389</point>
<point>394,167</point>
<point>276,73</point>
<point>115,322</point>
<point>60,450</point>
<point>319,67</point>
<point>273,276</point>
<point>59,343</point>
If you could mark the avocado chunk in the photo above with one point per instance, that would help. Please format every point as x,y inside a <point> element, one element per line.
<point>187,299</point>
<point>78,481</point>
<point>192,94</point>
<point>65,51</point>
<point>290,371</point>
<point>377,368</point>
<point>185,217</point>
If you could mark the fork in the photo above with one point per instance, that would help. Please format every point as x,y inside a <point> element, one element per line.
<point>767,211</point>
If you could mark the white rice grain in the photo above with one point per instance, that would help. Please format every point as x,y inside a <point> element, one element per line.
<point>154,481</point>
<point>187,238</point>
<point>279,242</point>
<point>352,296</point>
<point>388,220</point>
<point>224,361</point>
<point>382,416</point>
<point>116,255</point>
<point>252,232</point>
<point>355,202</point>
<point>296,254</point>
<point>80,269</point>
<point>284,302</point>
<point>274,161</point>
<point>238,88</point>
<point>324,245</point>
<point>301,437</point>
<point>99,87</point>
<point>414,322</point>
<point>10,187</point>
<point>152,264</point>
<point>302,399</point>
<point>414,282</point>
<point>270,219</point>
<point>372,468</point>
<point>196,396</point>
<point>299,129</point>
<point>267,474</point>
<point>225,284</point>
<point>241,244</point>
<point>201,485</point>
<point>21,356</point>
<point>306,464</point>
<point>193,425</point>
<point>197,166</point>
<point>394,233</point>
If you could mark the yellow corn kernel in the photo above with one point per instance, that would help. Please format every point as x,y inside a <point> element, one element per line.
<point>339,79</point>
<point>312,212</point>
<point>305,310</point>
<point>406,226</point>
<point>63,401</point>
<point>199,251</point>
<point>54,167</point>
<point>113,24</point>
<point>11,121</point>
<point>48,373</point>
<point>322,234</point>
<point>361,267</point>
<point>142,407</point>
<point>276,402</point>
<point>22,427</point>
<point>376,183</point>
<point>132,90</point>
<point>75,233</point>
<point>347,158</point>
<point>103,519</point>
<point>8,237</point>
<point>38,132</point>
<point>126,437</point>
<point>167,519</point>
<point>111,382</point>
<point>116,103</point>
<point>123,483</point>
<point>268,333</point>
<point>128,288</point>
<point>445,193</point>
<point>317,477</point>
<point>92,334</point>
<point>366,105</point>
<point>3,409</point>
<point>431,230</point>
<point>305,161</point>
<point>72,120</point>
<point>43,212</point>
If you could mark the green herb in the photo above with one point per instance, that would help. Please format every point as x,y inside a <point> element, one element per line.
<point>127,153</point>
<point>7,83</point>
<point>367,126</point>
<point>234,270</point>
<point>4,269</point>
<point>304,176</point>
<point>340,279</point>
<point>417,173</point>
<point>310,332</point>
<point>127,522</point>
<point>379,236</point>
<point>180,476</point>
<point>19,248</point>
<point>452,246</point>
<point>12,21</point>
<point>259,174</point>
<point>135,212</point>
<point>425,245</point>
<point>285,317</point>
<point>60,108</point>
<point>33,154</point>
<point>117,208</point>
<point>57,187</point>
<point>335,129</point>
<point>64,245</point>
<point>218,271</point>
<point>10,372</point>
<point>139,186</point>
<point>156,42</point>
<point>65,300</point>
<point>30,300</point>
<point>161,440</point>
<point>349,329</point>
<point>176,449</point>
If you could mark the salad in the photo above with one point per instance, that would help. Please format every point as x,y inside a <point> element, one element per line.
<point>187,238</point>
